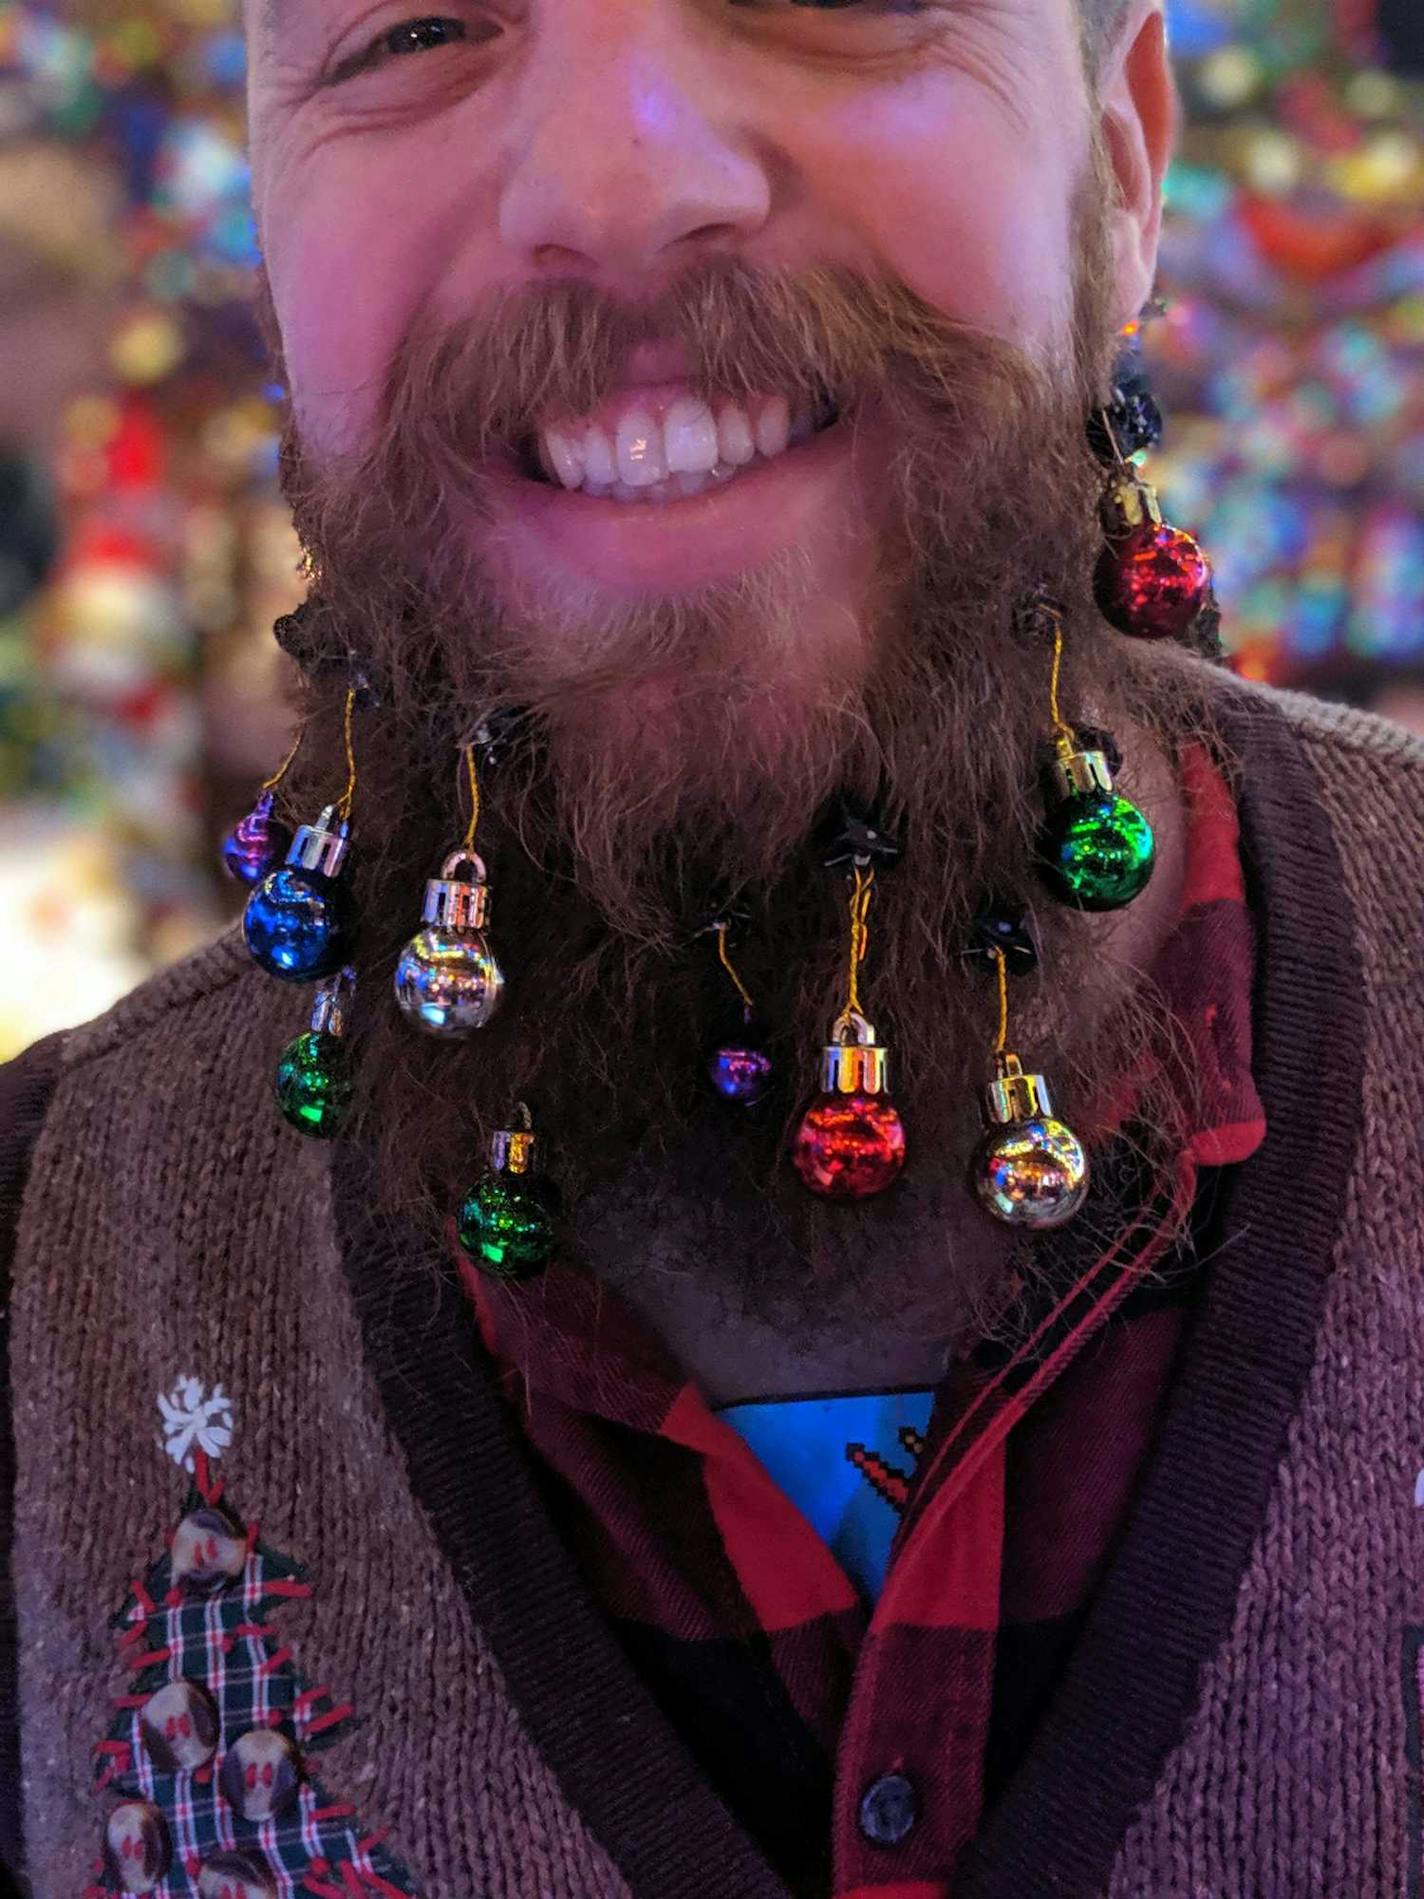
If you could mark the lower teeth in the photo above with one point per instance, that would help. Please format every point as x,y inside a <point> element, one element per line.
<point>675,488</point>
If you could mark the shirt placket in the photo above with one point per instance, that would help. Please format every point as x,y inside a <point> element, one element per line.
<point>910,1767</point>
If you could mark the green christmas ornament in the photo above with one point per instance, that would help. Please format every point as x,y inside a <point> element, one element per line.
<point>1096,849</point>
<point>508,1226</point>
<point>313,1080</point>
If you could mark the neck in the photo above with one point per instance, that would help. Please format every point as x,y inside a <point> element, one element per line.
<point>835,1324</point>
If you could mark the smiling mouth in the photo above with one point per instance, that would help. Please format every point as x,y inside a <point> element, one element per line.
<point>664,442</point>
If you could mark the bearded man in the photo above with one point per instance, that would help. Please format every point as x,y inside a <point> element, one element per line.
<point>687,437</point>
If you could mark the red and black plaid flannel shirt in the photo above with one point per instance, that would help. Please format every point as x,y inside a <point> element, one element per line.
<point>793,1695</point>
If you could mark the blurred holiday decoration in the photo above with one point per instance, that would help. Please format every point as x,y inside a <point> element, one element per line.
<point>1289,355</point>
<point>144,551</point>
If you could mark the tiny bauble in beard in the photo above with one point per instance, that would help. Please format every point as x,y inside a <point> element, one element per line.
<point>1152,580</point>
<point>257,844</point>
<point>738,1068</point>
<point>740,1071</point>
<point>300,923</point>
<point>1096,850</point>
<point>508,1226</point>
<point>314,1083</point>
<point>448,982</point>
<point>1030,1170</point>
<point>851,1141</point>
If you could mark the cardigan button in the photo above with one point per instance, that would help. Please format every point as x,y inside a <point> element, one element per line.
<point>179,1727</point>
<point>137,1848</point>
<point>240,1875</point>
<point>889,1808</point>
<point>209,1552</point>
<point>261,1775</point>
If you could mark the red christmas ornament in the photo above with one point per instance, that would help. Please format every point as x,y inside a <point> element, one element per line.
<point>1152,580</point>
<point>851,1141</point>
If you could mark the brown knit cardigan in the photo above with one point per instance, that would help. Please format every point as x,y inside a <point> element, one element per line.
<point>1241,1717</point>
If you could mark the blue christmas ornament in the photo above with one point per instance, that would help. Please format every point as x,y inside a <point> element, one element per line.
<point>299,923</point>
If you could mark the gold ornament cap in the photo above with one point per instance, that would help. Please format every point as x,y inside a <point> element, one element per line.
<point>1128,504</point>
<point>1014,1096</point>
<point>855,1063</point>
<point>512,1151</point>
<point>1076,771</point>
<point>453,902</point>
<point>322,846</point>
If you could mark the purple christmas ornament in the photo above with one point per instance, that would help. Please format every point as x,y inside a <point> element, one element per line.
<point>742,1075</point>
<point>257,844</point>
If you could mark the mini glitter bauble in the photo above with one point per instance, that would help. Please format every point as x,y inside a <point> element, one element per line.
<point>447,981</point>
<point>257,844</point>
<point>1152,583</point>
<point>313,1080</point>
<point>1097,851</point>
<point>849,1147</point>
<point>740,1074</point>
<point>1030,1170</point>
<point>314,1085</point>
<point>1033,1174</point>
<point>851,1141</point>
<point>300,923</point>
<point>508,1225</point>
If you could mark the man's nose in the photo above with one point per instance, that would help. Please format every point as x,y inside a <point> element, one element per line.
<point>623,166</point>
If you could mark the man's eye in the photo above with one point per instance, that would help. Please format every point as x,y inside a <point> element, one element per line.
<point>420,36</point>
<point>424,35</point>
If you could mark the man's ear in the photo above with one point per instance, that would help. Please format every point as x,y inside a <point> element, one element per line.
<point>1139,115</point>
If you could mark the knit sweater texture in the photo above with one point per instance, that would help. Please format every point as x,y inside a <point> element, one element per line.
<point>1241,1717</point>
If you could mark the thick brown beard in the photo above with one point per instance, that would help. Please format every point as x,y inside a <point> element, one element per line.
<point>607,863</point>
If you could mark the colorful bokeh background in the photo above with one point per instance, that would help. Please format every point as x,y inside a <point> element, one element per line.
<point>144,551</point>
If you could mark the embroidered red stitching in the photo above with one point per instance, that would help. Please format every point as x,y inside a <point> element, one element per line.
<point>191,1636</point>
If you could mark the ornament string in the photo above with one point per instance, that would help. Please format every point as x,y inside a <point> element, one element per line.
<point>1105,418</point>
<point>271,784</point>
<point>348,797</point>
<point>474,784</point>
<point>1001,964</point>
<point>724,957</point>
<point>1062,730</point>
<point>860,901</point>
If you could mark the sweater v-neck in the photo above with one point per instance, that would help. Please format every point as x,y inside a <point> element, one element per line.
<point>1167,1599</point>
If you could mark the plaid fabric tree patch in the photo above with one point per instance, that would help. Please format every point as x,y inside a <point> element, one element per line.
<point>1413,1724</point>
<point>209,1752</point>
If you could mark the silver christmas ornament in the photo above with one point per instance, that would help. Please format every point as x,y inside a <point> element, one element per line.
<point>447,981</point>
<point>1030,1169</point>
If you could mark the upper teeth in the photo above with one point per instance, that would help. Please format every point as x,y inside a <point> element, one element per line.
<point>637,445</point>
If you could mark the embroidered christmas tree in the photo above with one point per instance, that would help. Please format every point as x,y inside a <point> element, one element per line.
<point>208,1761</point>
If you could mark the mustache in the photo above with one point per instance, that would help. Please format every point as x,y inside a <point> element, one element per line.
<point>532,355</point>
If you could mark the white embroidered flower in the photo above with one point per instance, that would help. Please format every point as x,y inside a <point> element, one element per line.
<point>195,1422</point>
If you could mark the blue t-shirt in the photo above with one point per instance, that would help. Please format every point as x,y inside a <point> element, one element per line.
<point>846,1463</point>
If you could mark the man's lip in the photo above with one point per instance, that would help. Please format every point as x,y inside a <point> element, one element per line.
<point>673,547</point>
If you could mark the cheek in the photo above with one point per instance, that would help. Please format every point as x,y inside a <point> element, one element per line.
<point>954,198</point>
<point>355,251</point>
